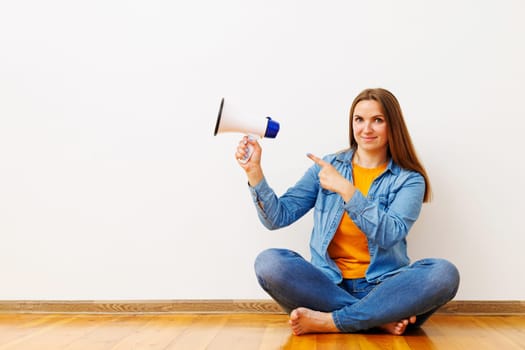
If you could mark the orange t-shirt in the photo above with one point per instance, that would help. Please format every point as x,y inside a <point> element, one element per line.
<point>349,247</point>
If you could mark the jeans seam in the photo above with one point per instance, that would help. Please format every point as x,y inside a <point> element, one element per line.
<point>275,295</point>
<point>337,322</point>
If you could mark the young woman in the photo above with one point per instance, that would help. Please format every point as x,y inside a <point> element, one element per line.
<point>365,201</point>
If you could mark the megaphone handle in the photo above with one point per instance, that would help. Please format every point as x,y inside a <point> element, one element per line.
<point>249,151</point>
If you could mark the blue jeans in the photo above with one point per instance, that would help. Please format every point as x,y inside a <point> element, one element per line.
<point>355,304</point>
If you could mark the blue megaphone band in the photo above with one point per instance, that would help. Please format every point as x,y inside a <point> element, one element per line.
<point>272,128</point>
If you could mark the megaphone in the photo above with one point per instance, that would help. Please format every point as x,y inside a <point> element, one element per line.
<point>228,120</point>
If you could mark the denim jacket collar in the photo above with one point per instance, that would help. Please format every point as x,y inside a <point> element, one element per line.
<point>346,156</point>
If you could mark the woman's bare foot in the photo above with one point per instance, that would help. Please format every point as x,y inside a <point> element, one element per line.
<point>303,320</point>
<point>398,328</point>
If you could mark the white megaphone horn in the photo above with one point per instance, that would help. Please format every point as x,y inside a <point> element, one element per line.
<point>228,121</point>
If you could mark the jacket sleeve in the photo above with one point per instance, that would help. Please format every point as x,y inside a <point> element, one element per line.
<point>389,223</point>
<point>277,212</point>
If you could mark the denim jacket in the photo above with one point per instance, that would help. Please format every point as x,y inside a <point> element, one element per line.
<point>385,216</point>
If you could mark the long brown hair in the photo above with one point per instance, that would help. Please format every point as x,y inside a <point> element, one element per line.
<point>400,146</point>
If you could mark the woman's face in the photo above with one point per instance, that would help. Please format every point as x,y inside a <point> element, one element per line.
<point>369,124</point>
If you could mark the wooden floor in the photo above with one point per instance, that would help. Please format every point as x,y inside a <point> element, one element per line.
<point>243,331</point>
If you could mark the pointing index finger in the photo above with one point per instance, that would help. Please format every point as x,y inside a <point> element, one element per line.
<point>316,159</point>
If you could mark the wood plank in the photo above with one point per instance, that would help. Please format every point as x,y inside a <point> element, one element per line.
<point>484,307</point>
<point>60,335</point>
<point>474,332</point>
<point>221,306</point>
<point>27,331</point>
<point>200,332</point>
<point>139,306</point>
<point>158,332</point>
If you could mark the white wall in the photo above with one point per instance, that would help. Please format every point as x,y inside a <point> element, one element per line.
<point>113,187</point>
